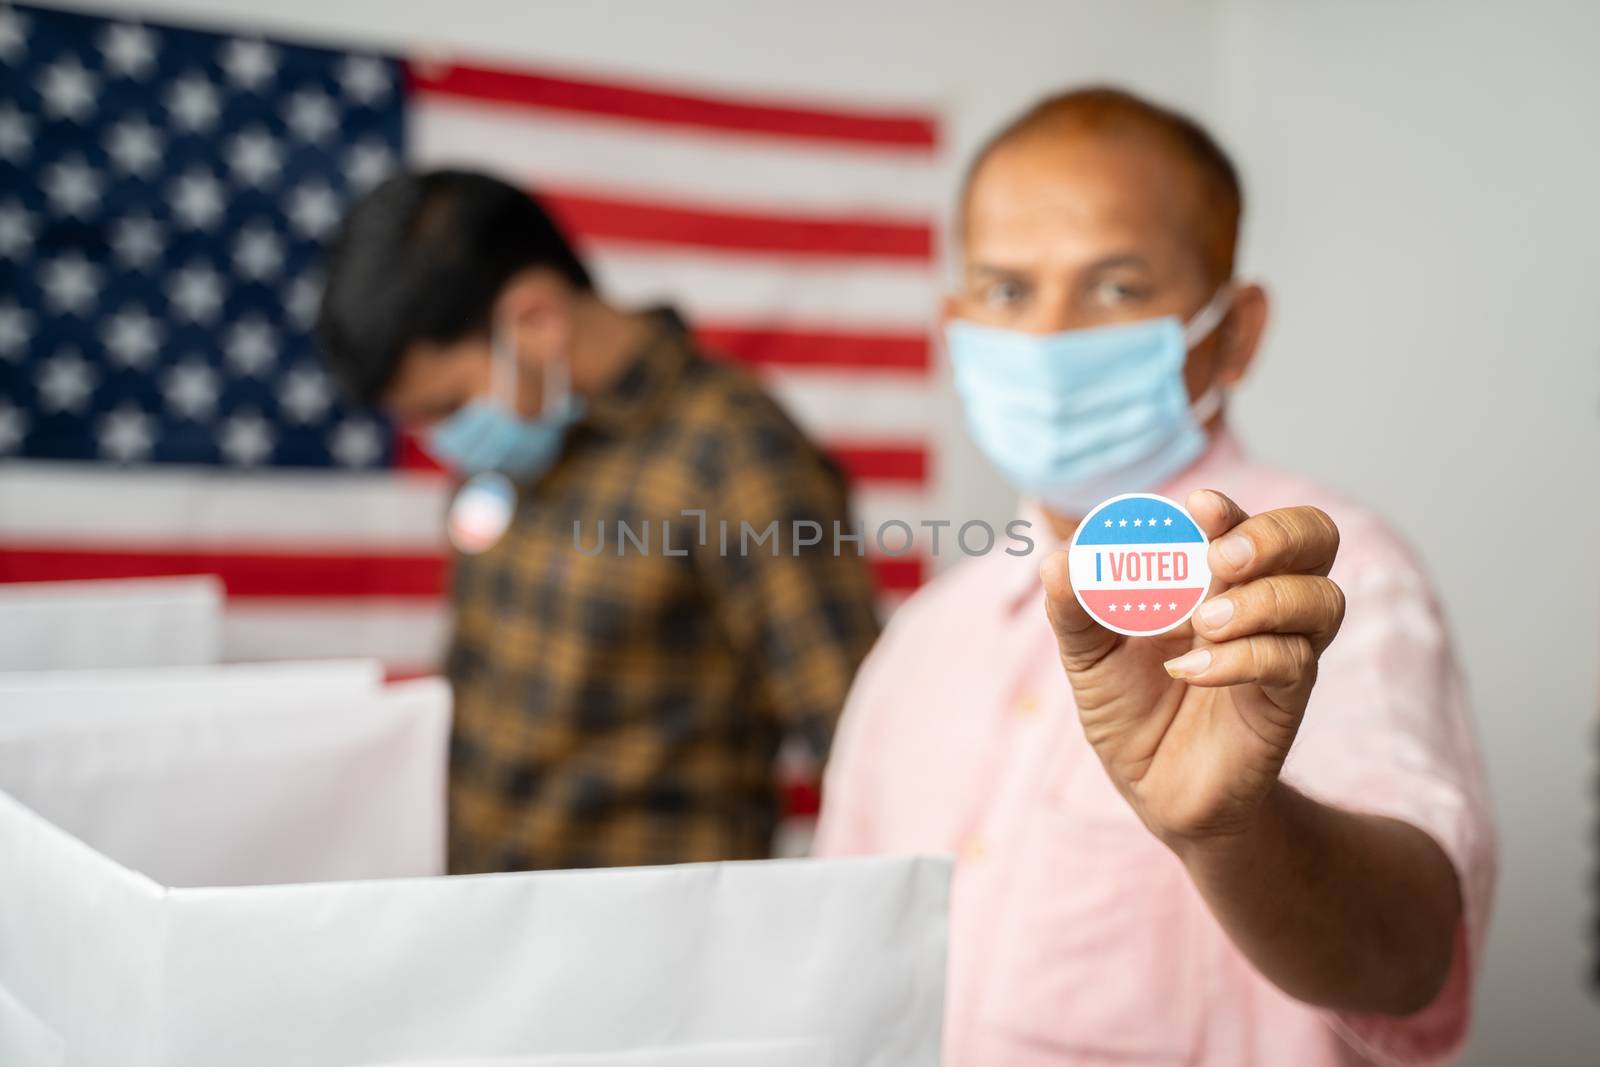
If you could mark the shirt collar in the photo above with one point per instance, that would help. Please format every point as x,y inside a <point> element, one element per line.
<point>1216,468</point>
<point>629,400</point>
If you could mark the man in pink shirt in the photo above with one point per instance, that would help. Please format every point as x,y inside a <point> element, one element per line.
<point>1241,843</point>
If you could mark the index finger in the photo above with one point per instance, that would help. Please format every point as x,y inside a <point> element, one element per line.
<point>1297,540</point>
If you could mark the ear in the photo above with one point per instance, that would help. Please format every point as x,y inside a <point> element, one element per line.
<point>536,306</point>
<point>948,310</point>
<point>1240,334</point>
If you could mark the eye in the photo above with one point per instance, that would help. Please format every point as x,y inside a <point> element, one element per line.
<point>1004,294</point>
<point>1114,293</point>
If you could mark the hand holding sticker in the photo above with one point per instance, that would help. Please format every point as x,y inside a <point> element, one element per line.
<point>1193,717</point>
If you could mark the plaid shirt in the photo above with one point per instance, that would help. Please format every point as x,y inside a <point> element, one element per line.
<point>625,706</point>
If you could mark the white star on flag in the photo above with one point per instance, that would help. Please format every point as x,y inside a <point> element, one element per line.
<point>190,389</point>
<point>67,90</point>
<point>136,241</point>
<point>250,64</point>
<point>246,439</point>
<point>129,50</point>
<point>126,434</point>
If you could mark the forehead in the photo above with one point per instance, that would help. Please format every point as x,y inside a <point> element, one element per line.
<point>1059,200</point>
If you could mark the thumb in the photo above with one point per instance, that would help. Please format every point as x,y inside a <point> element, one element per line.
<point>1083,642</point>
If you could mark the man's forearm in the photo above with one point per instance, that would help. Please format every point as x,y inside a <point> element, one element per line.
<point>1338,909</point>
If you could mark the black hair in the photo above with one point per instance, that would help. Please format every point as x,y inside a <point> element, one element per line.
<point>424,257</point>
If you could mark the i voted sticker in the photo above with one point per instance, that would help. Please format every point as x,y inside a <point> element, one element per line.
<point>1138,564</point>
<point>481,511</point>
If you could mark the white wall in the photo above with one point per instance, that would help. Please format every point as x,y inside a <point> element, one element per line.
<point>1423,183</point>
<point>1425,202</point>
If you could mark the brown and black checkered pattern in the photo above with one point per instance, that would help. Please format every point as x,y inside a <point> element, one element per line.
<point>625,709</point>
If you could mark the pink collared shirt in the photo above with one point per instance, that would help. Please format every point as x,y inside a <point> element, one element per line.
<point>1076,937</point>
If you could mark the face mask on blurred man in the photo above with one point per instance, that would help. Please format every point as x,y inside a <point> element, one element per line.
<point>1077,416</point>
<point>487,434</point>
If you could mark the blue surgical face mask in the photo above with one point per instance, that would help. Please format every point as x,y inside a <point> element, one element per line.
<point>1078,416</point>
<point>487,434</point>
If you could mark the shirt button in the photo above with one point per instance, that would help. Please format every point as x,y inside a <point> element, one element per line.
<point>974,848</point>
<point>1026,704</point>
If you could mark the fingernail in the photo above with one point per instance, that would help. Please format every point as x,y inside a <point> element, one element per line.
<point>1235,549</point>
<point>1189,664</point>
<point>1214,612</point>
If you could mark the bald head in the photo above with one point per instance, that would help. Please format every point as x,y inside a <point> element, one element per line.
<point>1122,130</point>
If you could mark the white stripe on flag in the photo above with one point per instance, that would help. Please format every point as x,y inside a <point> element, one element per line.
<point>800,292</point>
<point>634,159</point>
<point>75,503</point>
<point>403,633</point>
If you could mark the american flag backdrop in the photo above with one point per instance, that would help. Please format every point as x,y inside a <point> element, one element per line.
<point>164,193</point>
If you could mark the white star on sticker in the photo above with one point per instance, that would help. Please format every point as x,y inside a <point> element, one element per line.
<point>246,439</point>
<point>313,210</point>
<point>250,64</point>
<point>132,336</point>
<point>16,230</point>
<point>257,253</point>
<point>1141,607</point>
<point>1113,607</point>
<point>73,188</point>
<point>253,156</point>
<point>1168,522</point>
<point>303,300</point>
<point>16,327</point>
<point>1173,606</point>
<point>197,199</point>
<point>13,427</point>
<point>1150,522</point>
<point>356,443</point>
<point>196,292</point>
<point>1108,522</point>
<point>129,50</point>
<point>194,103</point>
<point>191,389</point>
<point>13,34</point>
<point>312,115</point>
<point>250,346</point>
<point>65,381</point>
<point>127,434</point>
<point>16,134</point>
<point>367,164</point>
<point>134,146</point>
<point>1123,522</point>
<point>364,79</point>
<point>1127,607</point>
<point>1137,522</point>
<point>70,283</point>
<point>305,395</point>
<point>136,241</point>
<point>67,90</point>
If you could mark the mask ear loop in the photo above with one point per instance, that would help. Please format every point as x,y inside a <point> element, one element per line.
<point>1208,318</point>
<point>503,369</point>
<point>557,387</point>
<point>1196,330</point>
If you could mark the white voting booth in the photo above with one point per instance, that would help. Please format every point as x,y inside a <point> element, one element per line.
<point>240,865</point>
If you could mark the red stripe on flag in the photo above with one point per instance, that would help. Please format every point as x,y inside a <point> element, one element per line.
<point>409,455</point>
<point>604,219</point>
<point>881,463</point>
<point>897,574</point>
<point>254,573</point>
<point>779,347</point>
<point>260,574</point>
<point>633,102</point>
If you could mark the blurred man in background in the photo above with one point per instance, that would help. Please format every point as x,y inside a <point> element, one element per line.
<point>612,708</point>
<point>1162,881</point>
